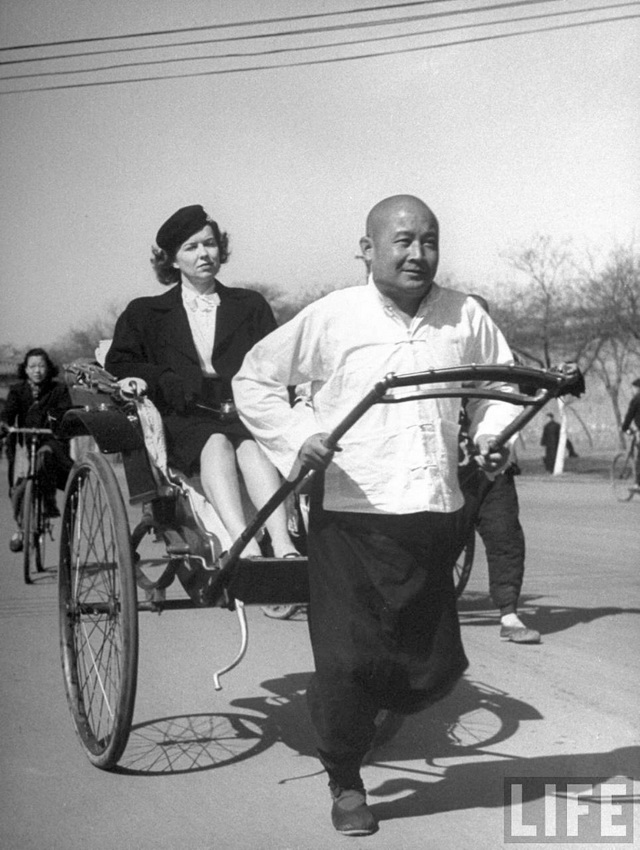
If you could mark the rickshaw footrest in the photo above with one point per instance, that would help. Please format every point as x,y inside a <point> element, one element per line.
<point>270,581</point>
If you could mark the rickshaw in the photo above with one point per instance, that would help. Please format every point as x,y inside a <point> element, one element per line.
<point>106,572</point>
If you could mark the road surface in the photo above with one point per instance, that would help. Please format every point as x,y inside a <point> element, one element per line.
<point>234,769</point>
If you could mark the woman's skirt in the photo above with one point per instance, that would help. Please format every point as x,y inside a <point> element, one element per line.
<point>188,434</point>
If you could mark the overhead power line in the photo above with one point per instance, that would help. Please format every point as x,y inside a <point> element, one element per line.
<point>287,33</point>
<point>298,49</point>
<point>329,60</point>
<point>204,27</point>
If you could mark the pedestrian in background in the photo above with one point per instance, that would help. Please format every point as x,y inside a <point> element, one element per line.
<point>550,439</point>
<point>492,508</point>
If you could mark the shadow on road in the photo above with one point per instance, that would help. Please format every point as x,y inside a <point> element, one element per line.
<point>470,719</point>
<point>438,760</point>
<point>480,784</point>
<point>476,609</point>
<point>190,743</point>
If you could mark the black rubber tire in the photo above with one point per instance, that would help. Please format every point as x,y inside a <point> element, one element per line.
<point>41,529</point>
<point>280,612</point>
<point>462,568</point>
<point>29,529</point>
<point>40,541</point>
<point>622,477</point>
<point>98,611</point>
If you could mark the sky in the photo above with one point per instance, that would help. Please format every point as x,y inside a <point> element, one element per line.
<point>503,136</point>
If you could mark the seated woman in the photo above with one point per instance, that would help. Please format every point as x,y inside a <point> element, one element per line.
<point>37,401</point>
<point>187,344</point>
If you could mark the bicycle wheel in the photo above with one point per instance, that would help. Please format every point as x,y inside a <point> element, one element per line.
<point>40,530</point>
<point>29,529</point>
<point>98,611</point>
<point>622,477</point>
<point>462,567</point>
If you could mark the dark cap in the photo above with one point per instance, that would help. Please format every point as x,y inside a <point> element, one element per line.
<point>179,227</point>
<point>636,383</point>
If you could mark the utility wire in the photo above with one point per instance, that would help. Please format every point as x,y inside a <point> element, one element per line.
<point>332,60</point>
<point>296,49</point>
<point>309,31</point>
<point>251,23</point>
<point>285,33</point>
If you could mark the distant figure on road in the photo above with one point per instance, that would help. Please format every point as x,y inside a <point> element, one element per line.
<point>633,416</point>
<point>37,401</point>
<point>550,440</point>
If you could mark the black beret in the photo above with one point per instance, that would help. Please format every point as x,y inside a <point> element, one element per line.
<point>179,227</point>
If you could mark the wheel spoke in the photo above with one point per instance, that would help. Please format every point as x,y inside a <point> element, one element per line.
<point>97,665</point>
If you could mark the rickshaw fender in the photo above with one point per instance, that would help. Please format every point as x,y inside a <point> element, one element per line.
<point>110,428</point>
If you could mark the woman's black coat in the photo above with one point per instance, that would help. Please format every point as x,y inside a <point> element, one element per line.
<point>152,337</point>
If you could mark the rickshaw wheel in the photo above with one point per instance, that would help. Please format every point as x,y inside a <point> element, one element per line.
<point>98,611</point>
<point>462,567</point>
<point>280,612</point>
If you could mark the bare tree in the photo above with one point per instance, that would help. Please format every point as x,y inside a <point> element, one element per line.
<point>81,341</point>
<point>613,295</point>
<point>541,314</point>
<point>557,310</point>
<point>10,353</point>
<point>539,311</point>
<point>612,303</point>
<point>286,303</point>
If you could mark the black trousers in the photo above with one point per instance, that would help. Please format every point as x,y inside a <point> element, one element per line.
<point>493,507</point>
<point>383,624</point>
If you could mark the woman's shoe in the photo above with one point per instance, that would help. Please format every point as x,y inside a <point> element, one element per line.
<point>15,544</point>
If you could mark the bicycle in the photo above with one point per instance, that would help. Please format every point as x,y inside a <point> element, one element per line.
<point>623,471</point>
<point>32,517</point>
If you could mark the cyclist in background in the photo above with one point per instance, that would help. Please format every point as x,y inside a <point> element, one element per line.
<point>37,401</point>
<point>633,417</point>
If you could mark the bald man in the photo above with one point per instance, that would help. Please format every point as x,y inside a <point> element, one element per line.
<point>385,524</point>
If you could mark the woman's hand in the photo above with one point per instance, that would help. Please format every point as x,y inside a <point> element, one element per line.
<point>132,387</point>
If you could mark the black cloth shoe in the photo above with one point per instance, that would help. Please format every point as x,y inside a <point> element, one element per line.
<point>350,814</point>
<point>15,544</point>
